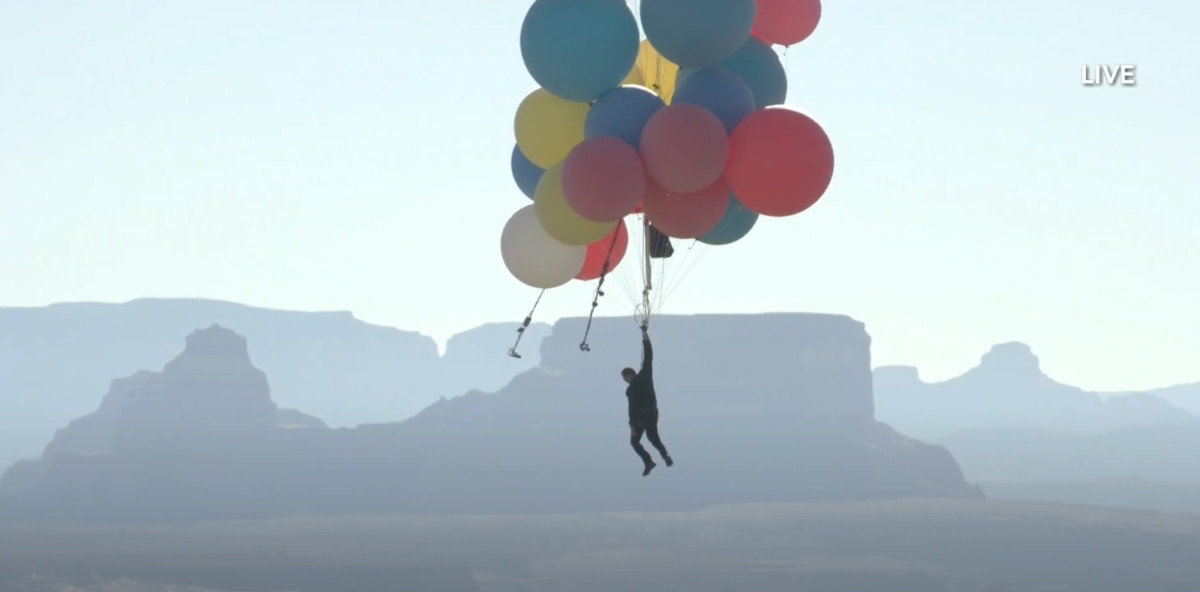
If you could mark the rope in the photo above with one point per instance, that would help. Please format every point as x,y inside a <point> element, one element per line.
<point>583,345</point>
<point>512,351</point>
<point>689,264</point>
<point>644,314</point>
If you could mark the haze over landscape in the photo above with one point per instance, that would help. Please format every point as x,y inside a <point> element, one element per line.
<point>254,317</point>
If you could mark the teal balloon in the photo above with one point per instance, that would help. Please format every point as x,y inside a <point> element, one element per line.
<point>525,173</point>
<point>735,224</point>
<point>697,33</point>
<point>761,70</point>
<point>578,49</point>
<point>720,91</point>
<point>759,67</point>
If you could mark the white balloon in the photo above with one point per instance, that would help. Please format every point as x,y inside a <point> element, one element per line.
<point>533,257</point>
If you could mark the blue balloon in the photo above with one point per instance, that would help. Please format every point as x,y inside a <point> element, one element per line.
<point>622,112</point>
<point>718,90</point>
<point>525,173</point>
<point>578,49</point>
<point>735,224</point>
<point>697,33</point>
<point>760,68</point>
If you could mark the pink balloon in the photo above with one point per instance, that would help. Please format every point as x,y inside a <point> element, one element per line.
<point>785,22</point>
<point>603,179</point>
<point>684,148</point>
<point>686,215</point>
<point>780,162</point>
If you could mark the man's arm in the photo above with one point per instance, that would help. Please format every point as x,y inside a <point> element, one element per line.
<point>647,354</point>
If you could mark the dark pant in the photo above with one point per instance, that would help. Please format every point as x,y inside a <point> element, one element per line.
<point>645,422</point>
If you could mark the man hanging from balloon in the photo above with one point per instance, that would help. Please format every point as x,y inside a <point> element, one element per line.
<point>685,129</point>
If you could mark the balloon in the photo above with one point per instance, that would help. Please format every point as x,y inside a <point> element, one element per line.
<point>687,215</point>
<point>622,112</point>
<point>760,67</point>
<point>603,250</point>
<point>635,77</point>
<point>547,127</point>
<point>525,173</point>
<point>658,73</point>
<point>603,179</point>
<point>558,219</point>
<point>697,33</point>
<point>533,257</point>
<point>720,91</point>
<point>786,22</point>
<point>780,162</point>
<point>735,224</point>
<point>684,148</point>
<point>577,49</point>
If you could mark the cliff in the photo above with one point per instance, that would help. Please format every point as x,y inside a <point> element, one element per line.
<point>755,408</point>
<point>476,360</point>
<point>210,397</point>
<point>55,360</point>
<point>818,366</point>
<point>1009,390</point>
<point>217,361</point>
<point>1184,396</point>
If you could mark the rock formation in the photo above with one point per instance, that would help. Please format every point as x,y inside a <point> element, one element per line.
<point>215,354</point>
<point>210,397</point>
<point>755,408</point>
<point>1160,454</point>
<point>476,360</point>
<point>1184,396</point>
<point>55,360</point>
<point>1008,389</point>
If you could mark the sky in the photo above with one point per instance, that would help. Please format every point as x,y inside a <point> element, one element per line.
<point>354,155</point>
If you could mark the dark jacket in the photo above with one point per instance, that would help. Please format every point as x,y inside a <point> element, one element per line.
<point>640,391</point>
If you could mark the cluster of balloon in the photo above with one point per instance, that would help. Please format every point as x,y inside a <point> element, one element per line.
<point>686,126</point>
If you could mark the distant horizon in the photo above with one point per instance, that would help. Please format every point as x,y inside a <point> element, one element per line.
<point>441,341</point>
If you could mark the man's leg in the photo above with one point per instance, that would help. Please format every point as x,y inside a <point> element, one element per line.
<point>635,439</point>
<point>652,435</point>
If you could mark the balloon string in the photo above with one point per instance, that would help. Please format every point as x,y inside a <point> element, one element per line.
<point>649,277</point>
<point>612,245</point>
<point>512,351</point>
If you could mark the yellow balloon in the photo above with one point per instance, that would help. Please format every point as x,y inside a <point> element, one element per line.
<point>658,73</point>
<point>635,76</point>
<point>558,219</point>
<point>547,127</point>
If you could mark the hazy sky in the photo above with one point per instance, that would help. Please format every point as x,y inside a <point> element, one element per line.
<point>353,155</point>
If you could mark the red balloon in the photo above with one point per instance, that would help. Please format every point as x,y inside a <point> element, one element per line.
<point>603,179</point>
<point>785,22</point>
<point>686,215</point>
<point>599,251</point>
<point>780,162</point>
<point>684,147</point>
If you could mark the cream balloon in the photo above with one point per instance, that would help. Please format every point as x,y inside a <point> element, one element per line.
<point>533,257</point>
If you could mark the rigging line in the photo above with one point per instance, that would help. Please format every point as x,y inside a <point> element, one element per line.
<point>512,351</point>
<point>628,273</point>
<point>649,277</point>
<point>583,345</point>
<point>701,251</point>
